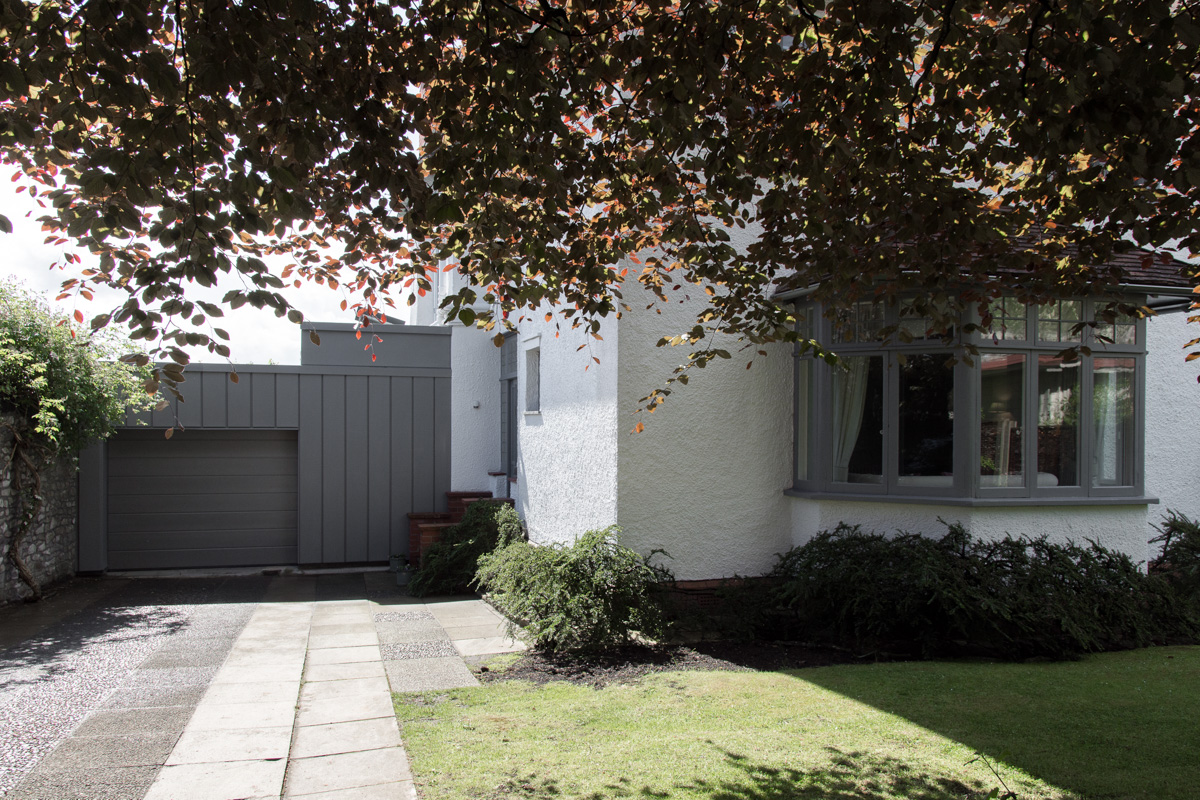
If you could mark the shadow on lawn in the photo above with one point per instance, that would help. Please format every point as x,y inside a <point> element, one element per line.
<point>848,776</point>
<point>1115,725</point>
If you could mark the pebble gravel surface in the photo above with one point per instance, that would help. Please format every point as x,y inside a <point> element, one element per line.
<point>91,705</point>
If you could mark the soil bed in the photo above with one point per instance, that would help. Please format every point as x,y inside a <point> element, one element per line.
<point>628,664</point>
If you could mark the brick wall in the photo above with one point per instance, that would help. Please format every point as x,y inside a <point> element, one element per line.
<point>426,527</point>
<point>50,549</point>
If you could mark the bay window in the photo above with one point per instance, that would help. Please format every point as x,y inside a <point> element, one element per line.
<point>1018,423</point>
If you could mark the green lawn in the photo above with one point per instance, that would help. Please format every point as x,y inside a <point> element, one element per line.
<point>1120,725</point>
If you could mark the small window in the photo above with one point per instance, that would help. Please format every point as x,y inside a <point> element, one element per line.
<point>1008,320</point>
<point>1057,321</point>
<point>860,323</point>
<point>533,380</point>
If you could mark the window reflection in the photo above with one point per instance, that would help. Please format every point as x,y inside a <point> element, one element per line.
<point>1058,422</point>
<point>1112,417</point>
<point>1001,419</point>
<point>926,421</point>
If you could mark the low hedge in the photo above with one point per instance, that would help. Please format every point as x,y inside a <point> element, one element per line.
<point>1013,598</point>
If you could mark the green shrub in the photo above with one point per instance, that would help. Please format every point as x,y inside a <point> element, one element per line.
<point>448,566</point>
<point>1179,560</point>
<point>1013,598</point>
<point>589,595</point>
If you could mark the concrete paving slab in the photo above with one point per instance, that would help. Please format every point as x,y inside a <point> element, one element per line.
<point>292,645</point>
<point>440,648</point>
<point>154,697</point>
<point>432,633</point>
<point>345,737</point>
<point>428,674</point>
<point>190,657</point>
<point>343,655</point>
<point>405,619</point>
<point>346,771</point>
<point>260,692</point>
<point>489,646</point>
<point>401,790</point>
<point>172,676</point>
<point>124,722</point>
<point>457,614</point>
<point>318,673</point>
<point>233,780</point>
<point>345,709</point>
<point>357,625</point>
<point>240,716</point>
<point>488,630</point>
<point>259,673</point>
<point>331,615</point>
<point>280,634</point>
<point>114,783</point>
<point>264,658</point>
<point>332,690</point>
<point>207,747</point>
<point>326,641</point>
<point>81,753</point>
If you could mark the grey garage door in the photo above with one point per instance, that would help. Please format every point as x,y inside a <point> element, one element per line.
<point>201,499</point>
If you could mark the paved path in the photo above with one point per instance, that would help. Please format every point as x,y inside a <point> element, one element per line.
<point>283,692</point>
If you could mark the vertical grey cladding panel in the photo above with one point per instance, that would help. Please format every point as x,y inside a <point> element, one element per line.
<point>358,468</point>
<point>262,399</point>
<point>287,401</point>
<point>212,399</point>
<point>93,508</point>
<point>379,465</point>
<point>333,463</point>
<point>402,462</point>
<point>192,405</point>
<point>424,496</point>
<point>504,420</point>
<point>402,346</point>
<point>309,468</point>
<point>166,417</point>
<point>441,440</point>
<point>238,403</point>
<point>137,420</point>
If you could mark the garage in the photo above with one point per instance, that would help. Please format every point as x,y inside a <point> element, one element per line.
<point>201,499</point>
<point>316,464</point>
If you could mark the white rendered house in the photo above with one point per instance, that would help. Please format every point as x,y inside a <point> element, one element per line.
<point>742,464</point>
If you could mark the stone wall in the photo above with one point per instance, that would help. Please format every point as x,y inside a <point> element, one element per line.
<point>50,546</point>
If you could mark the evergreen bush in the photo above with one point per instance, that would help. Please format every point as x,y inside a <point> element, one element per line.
<point>448,565</point>
<point>1012,598</point>
<point>590,595</point>
<point>1179,559</point>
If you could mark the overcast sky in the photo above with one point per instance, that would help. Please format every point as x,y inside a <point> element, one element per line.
<point>255,336</point>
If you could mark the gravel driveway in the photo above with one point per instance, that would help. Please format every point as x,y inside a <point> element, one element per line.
<point>140,657</point>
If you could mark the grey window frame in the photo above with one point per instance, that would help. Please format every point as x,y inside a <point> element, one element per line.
<point>509,400</point>
<point>966,486</point>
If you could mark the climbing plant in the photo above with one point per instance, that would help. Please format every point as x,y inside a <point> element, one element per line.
<point>60,387</point>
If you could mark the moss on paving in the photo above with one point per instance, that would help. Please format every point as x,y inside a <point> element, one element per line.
<point>1112,726</point>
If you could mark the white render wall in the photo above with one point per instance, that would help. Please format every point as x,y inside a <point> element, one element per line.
<point>704,481</point>
<point>567,453</point>
<point>474,409</point>
<point>1120,528</point>
<point>1172,412</point>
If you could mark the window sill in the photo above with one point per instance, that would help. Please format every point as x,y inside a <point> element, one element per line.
<point>533,413</point>
<point>972,502</point>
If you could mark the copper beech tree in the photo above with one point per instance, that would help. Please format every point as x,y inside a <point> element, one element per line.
<point>557,151</point>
